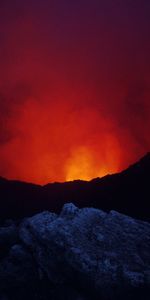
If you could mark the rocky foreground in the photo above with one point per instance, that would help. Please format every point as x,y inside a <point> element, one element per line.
<point>78,255</point>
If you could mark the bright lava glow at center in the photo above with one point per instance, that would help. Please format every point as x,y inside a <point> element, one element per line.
<point>80,166</point>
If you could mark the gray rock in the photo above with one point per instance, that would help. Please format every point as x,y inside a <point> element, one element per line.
<point>106,253</point>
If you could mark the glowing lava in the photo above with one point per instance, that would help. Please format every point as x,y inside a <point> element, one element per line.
<point>81,165</point>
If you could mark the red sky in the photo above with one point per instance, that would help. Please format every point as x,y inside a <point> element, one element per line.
<point>74,88</point>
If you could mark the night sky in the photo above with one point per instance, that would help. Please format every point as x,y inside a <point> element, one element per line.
<point>74,87</point>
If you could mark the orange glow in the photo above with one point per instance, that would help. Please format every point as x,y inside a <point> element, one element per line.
<point>74,90</point>
<point>58,142</point>
<point>80,166</point>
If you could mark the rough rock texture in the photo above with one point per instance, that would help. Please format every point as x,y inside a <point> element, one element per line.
<point>80,254</point>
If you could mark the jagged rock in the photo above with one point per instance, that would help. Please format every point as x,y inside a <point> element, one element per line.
<point>106,254</point>
<point>79,255</point>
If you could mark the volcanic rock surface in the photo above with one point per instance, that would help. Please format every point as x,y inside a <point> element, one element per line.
<point>77,255</point>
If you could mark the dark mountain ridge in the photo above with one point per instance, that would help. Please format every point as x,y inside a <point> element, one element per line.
<point>127,192</point>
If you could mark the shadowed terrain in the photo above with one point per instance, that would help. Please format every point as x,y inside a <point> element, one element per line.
<point>80,254</point>
<point>127,192</point>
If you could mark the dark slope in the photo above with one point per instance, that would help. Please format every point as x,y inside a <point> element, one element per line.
<point>127,192</point>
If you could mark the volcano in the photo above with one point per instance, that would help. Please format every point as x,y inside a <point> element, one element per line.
<point>127,192</point>
<point>93,248</point>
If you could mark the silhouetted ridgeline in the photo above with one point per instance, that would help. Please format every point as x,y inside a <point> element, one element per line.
<point>127,192</point>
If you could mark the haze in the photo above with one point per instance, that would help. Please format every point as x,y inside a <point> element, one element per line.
<point>74,88</point>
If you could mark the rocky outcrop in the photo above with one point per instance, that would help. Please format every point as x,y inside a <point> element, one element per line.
<point>80,254</point>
